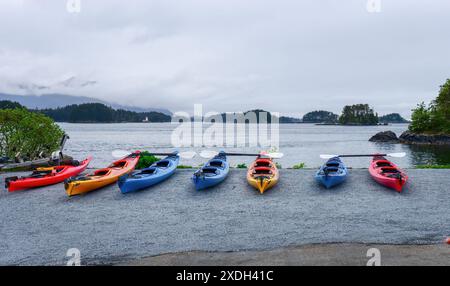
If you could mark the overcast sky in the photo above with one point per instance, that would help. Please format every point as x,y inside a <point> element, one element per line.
<point>286,56</point>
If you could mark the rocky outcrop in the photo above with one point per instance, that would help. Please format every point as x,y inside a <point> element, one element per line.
<point>385,136</point>
<point>408,137</point>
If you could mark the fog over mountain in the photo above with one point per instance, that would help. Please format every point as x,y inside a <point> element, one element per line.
<point>283,56</point>
<point>61,100</point>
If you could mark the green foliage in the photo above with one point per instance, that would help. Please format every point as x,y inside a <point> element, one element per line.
<point>278,165</point>
<point>6,104</point>
<point>320,116</point>
<point>421,119</point>
<point>392,118</point>
<point>433,167</point>
<point>97,112</point>
<point>29,133</point>
<point>184,167</point>
<point>436,117</point>
<point>241,166</point>
<point>299,166</point>
<point>358,114</point>
<point>146,159</point>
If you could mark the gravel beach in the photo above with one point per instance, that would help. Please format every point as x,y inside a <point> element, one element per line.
<point>39,226</point>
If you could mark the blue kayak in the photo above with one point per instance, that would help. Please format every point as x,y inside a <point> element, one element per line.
<point>156,173</point>
<point>212,173</point>
<point>332,173</point>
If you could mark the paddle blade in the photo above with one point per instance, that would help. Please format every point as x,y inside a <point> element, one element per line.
<point>187,155</point>
<point>397,155</point>
<point>275,155</point>
<point>326,156</point>
<point>120,153</point>
<point>208,154</point>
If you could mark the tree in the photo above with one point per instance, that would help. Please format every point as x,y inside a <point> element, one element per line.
<point>358,114</point>
<point>29,133</point>
<point>436,117</point>
<point>6,104</point>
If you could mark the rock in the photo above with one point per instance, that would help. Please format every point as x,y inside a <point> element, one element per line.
<point>385,136</point>
<point>408,137</point>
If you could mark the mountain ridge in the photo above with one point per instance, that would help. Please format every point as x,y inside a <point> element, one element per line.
<point>55,100</point>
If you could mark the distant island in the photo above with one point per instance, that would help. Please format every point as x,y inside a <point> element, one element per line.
<point>320,116</point>
<point>392,118</point>
<point>359,114</point>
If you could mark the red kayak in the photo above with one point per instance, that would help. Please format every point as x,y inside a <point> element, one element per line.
<point>387,173</point>
<point>46,176</point>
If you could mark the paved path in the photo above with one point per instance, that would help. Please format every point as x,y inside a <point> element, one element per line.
<point>39,226</point>
<point>307,255</point>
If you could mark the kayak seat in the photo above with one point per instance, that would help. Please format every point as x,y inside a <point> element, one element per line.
<point>119,164</point>
<point>330,169</point>
<point>209,171</point>
<point>384,164</point>
<point>336,165</point>
<point>262,170</point>
<point>216,163</point>
<point>263,164</point>
<point>163,164</point>
<point>389,171</point>
<point>148,171</point>
<point>101,172</point>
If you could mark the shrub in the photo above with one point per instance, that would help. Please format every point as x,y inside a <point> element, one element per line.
<point>146,159</point>
<point>436,117</point>
<point>184,167</point>
<point>29,133</point>
<point>241,166</point>
<point>299,166</point>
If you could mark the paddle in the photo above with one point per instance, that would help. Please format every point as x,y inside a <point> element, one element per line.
<point>184,155</point>
<point>210,154</point>
<point>395,155</point>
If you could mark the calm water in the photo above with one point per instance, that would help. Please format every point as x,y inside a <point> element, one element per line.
<point>299,143</point>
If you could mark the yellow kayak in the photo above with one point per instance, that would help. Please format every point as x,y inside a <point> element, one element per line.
<point>263,174</point>
<point>102,177</point>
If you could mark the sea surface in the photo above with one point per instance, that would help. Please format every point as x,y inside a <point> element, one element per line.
<point>300,143</point>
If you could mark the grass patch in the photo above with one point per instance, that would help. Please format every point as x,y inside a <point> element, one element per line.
<point>145,160</point>
<point>184,167</point>
<point>433,167</point>
<point>299,166</point>
<point>241,166</point>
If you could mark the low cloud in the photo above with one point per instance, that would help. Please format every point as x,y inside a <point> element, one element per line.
<point>285,56</point>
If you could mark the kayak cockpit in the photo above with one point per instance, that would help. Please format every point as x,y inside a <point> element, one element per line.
<point>216,163</point>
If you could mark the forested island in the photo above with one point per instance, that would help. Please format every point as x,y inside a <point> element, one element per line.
<point>92,113</point>
<point>320,116</point>
<point>392,118</point>
<point>359,114</point>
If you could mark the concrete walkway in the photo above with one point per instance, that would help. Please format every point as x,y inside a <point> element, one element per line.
<point>39,226</point>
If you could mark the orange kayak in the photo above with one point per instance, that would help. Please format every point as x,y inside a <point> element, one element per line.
<point>102,177</point>
<point>263,174</point>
